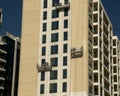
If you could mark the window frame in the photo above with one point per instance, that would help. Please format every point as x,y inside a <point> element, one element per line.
<point>43,51</point>
<point>55,25</point>
<point>54,37</point>
<point>42,76</point>
<point>44,27</point>
<point>64,87</point>
<point>55,14</point>
<point>65,36</point>
<point>65,48</point>
<point>45,3</point>
<point>44,37</point>
<point>66,23</point>
<point>45,15</point>
<point>53,75</point>
<point>54,61</point>
<point>54,49</point>
<point>64,73</point>
<point>53,88</point>
<point>65,60</point>
<point>42,89</point>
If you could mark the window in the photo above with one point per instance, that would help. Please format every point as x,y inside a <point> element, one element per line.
<point>114,69</point>
<point>95,41</point>
<point>95,6</point>
<point>43,38</point>
<point>65,48</point>
<point>55,25</point>
<point>53,88</point>
<point>44,15</point>
<point>43,61</point>
<point>114,42</point>
<point>114,60</point>
<point>95,53</point>
<point>43,51</point>
<point>64,73</point>
<point>42,89</point>
<point>54,49</point>
<point>115,88</point>
<point>53,75</point>
<point>96,65</point>
<point>95,16</point>
<point>54,62</point>
<point>95,90</point>
<point>95,29</point>
<point>65,12</point>
<point>65,23</point>
<point>115,78</point>
<point>114,51</point>
<point>44,26</point>
<point>65,1</point>
<point>95,77</point>
<point>65,36</point>
<point>64,87</point>
<point>55,2</point>
<point>55,13</point>
<point>42,76</point>
<point>54,37</point>
<point>45,4</point>
<point>64,60</point>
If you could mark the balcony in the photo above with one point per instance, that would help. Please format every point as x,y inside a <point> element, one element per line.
<point>1,88</point>
<point>2,67</point>
<point>2,60</point>
<point>2,76</point>
<point>62,6</point>
<point>2,51</point>
<point>44,67</point>
<point>76,52</point>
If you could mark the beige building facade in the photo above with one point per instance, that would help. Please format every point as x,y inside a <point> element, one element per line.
<point>66,49</point>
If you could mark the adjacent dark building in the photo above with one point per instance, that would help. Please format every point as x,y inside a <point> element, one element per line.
<point>3,53</point>
<point>9,64</point>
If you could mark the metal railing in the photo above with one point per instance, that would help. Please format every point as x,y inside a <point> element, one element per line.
<point>76,52</point>
<point>62,6</point>
<point>44,67</point>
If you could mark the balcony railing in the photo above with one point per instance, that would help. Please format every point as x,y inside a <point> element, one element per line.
<point>44,67</point>
<point>2,67</point>
<point>62,6</point>
<point>1,88</point>
<point>76,52</point>
<point>2,60</point>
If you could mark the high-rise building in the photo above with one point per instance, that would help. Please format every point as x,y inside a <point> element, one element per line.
<point>66,49</point>
<point>116,66</point>
<point>9,64</point>
<point>2,66</point>
<point>2,59</point>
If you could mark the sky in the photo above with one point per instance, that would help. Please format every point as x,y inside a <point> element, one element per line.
<point>113,10</point>
<point>12,15</point>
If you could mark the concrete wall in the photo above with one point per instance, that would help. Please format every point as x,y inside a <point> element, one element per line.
<point>79,28</point>
<point>29,48</point>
